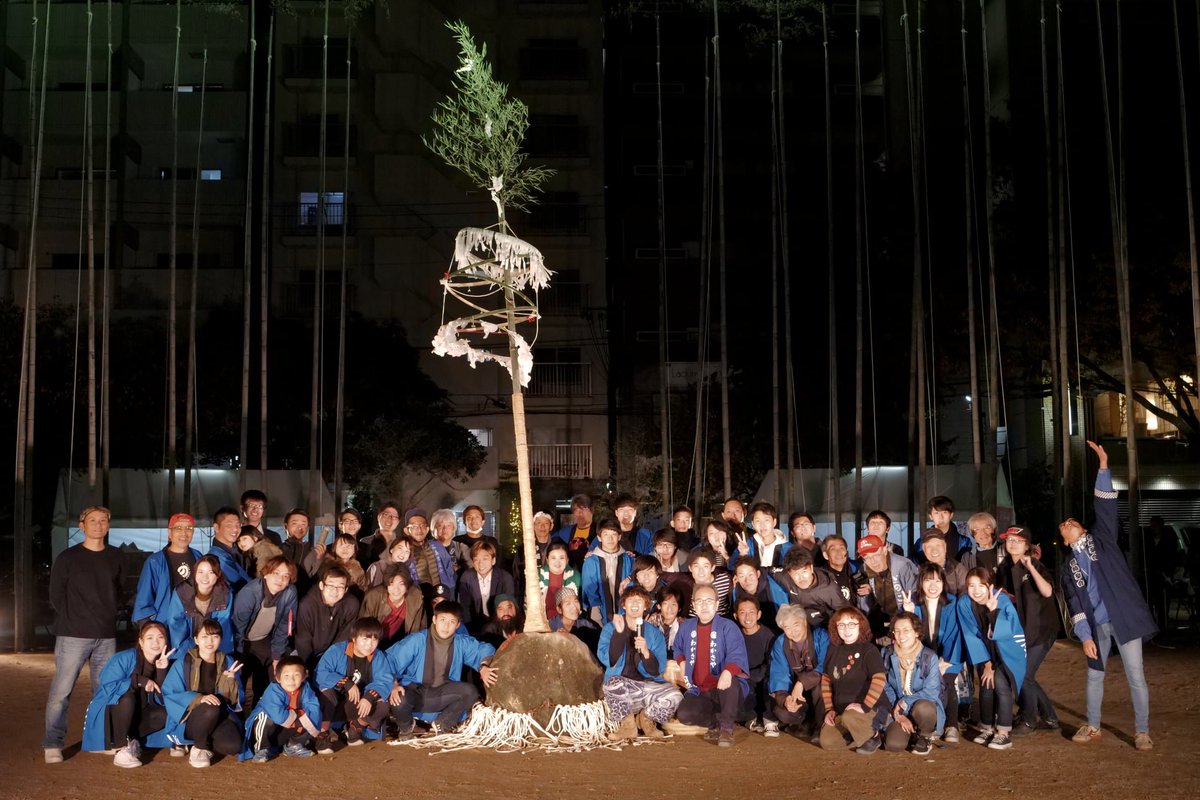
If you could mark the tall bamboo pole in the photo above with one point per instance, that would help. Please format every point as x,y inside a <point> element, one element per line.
<point>340,410</point>
<point>247,283</point>
<point>859,244</point>
<point>834,430</point>
<point>189,424</point>
<point>664,409</point>
<point>991,322</point>
<point>775,181</point>
<point>705,315</point>
<point>314,463</point>
<point>264,251</point>
<point>172,379</point>
<point>105,286</point>
<point>789,378</point>
<point>727,476</point>
<point>89,168</point>
<point>1187,178</point>
<point>1052,286</point>
<point>969,207</point>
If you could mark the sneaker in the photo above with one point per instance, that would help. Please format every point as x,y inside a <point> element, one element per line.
<point>353,735</point>
<point>754,726</point>
<point>129,756</point>
<point>984,737</point>
<point>923,746</point>
<point>1024,729</point>
<point>1086,735</point>
<point>725,737</point>
<point>1048,725</point>
<point>1001,741</point>
<point>770,729</point>
<point>53,755</point>
<point>403,736</point>
<point>200,758</point>
<point>950,736</point>
<point>296,750</point>
<point>325,741</point>
<point>712,734</point>
<point>869,746</point>
<point>259,757</point>
<point>1141,741</point>
<point>179,751</point>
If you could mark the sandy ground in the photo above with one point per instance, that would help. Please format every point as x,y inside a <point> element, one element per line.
<point>1044,765</point>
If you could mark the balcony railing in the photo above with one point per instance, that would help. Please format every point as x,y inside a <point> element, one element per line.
<point>560,379</point>
<point>560,460</point>
<point>302,219</point>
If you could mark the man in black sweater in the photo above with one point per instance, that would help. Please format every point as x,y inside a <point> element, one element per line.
<point>325,616</point>
<point>86,592</point>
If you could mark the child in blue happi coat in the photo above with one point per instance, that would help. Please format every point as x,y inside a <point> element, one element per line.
<point>286,718</point>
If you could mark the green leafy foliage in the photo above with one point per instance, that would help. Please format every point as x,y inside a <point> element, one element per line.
<point>479,129</point>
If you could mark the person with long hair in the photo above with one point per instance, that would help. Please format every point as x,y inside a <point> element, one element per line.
<point>398,603</point>
<point>995,646</point>
<point>852,685</point>
<point>203,694</point>
<point>127,708</point>
<point>208,596</point>
<point>940,632</point>
<point>1028,581</point>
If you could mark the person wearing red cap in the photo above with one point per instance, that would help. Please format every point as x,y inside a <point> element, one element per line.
<point>1027,580</point>
<point>885,581</point>
<point>165,570</point>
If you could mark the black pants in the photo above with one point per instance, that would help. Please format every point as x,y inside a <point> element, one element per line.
<point>812,708</point>
<point>211,728</point>
<point>950,698</point>
<point>710,709</point>
<point>450,700</point>
<point>336,707</point>
<point>757,703</point>
<point>996,702</point>
<point>135,716</point>
<point>924,718</point>
<point>1035,703</point>
<point>265,734</point>
<point>257,669</point>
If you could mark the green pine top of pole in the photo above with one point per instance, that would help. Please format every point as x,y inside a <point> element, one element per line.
<point>479,130</point>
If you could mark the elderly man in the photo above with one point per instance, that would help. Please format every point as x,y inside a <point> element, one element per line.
<point>165,570</point>
<point>986,553</point>
<point>934,551</point>
<point>1106,604</point>
<point>431,565</point>
<point>711,653</point>
<point>887,581</point>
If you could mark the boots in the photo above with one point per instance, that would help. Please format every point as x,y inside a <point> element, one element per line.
<point>649,727</point>
<point>626,729</point>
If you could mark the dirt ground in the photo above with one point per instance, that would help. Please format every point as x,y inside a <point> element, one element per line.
<point>1044,765</point>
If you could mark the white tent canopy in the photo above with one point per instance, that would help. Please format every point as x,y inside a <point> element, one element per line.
<point>140,509</point>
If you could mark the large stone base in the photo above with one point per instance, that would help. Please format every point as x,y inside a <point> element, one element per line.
<point>539,671</point>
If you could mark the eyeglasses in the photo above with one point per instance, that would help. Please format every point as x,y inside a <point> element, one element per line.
<point>287,576</point>
<point>704,603</point>
<point>389,516</point>
<point>416,526</point>
<point>255,507</point>
<point>183,528</point>
<point>337,587</point>
<point>846,625</point>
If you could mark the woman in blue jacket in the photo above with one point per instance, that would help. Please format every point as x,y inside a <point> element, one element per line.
<point>209,598</point>
<point>127,705</point>
<point>914,688</point>
<point>263,614</point>
<point>995,645</point>
<point>940,632</point>
<point>203,695</point>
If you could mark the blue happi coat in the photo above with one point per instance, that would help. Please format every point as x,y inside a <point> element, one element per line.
<point>179,619</point>
<point>405,660</point>
<point>179,694</point>
<point>331,673</point>
<point>1007,633</point>
<point>727,646</point>
<point>780,677</point>
<point>274,706</point>
<point>655,642</point>
<point>114,682</point>
<point>949,645</point>
<point>154,589</point>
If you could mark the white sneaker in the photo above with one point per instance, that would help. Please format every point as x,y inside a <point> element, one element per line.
<point>53,755</point>
<point>179,750</point>
<point>200,758</point>
<point>754,726</point>
<point>129,756</point>
<point>770,728</point>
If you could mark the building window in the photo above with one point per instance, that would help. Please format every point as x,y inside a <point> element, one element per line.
<point>210,174</point>
<point>309,209</point>
<point>482,435</point>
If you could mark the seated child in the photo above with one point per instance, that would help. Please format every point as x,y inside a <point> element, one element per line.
<point>286,717</point>
<point>634,655</point>
<point>426,668</point>
<point>203,695</point>
<point>127,706</point>
<point>351,686</point>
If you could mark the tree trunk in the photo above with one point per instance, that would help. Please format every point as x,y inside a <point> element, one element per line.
<point>1187,177</point>
<point>340,411</point>
<point>970,206</point>
<point>834,429</point>
<point>189,424</point>
<point>89,169</point>
<point>314,434</point>
<point>859,200</point>
<point>991,319</point>
<point>105,290</point>
<point>664,393</point>
<point>264,251</point>
<point>726,474</point>
<point>172,380</point>
<point>247,283</point>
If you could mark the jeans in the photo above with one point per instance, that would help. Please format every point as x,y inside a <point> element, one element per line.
<point>451,701</point>
<point>1131,659</point>
<point>70,654</point>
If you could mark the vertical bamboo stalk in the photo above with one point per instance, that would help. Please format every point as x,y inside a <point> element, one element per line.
<point>247,284</point>
<point>189,424</point>
<point>1187,177</point>
<point>834,429</point>
<point>664,410</point>
<point>264,251</point>
<point>89,168</point>
<point>340,410</point>
<point>105,286</point>
<point>726,474</point>
<point>172,379</point>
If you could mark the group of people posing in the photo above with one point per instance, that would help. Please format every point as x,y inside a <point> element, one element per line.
<point>272,643</point>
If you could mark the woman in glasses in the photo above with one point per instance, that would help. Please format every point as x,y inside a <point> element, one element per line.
<point>852,685</point>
